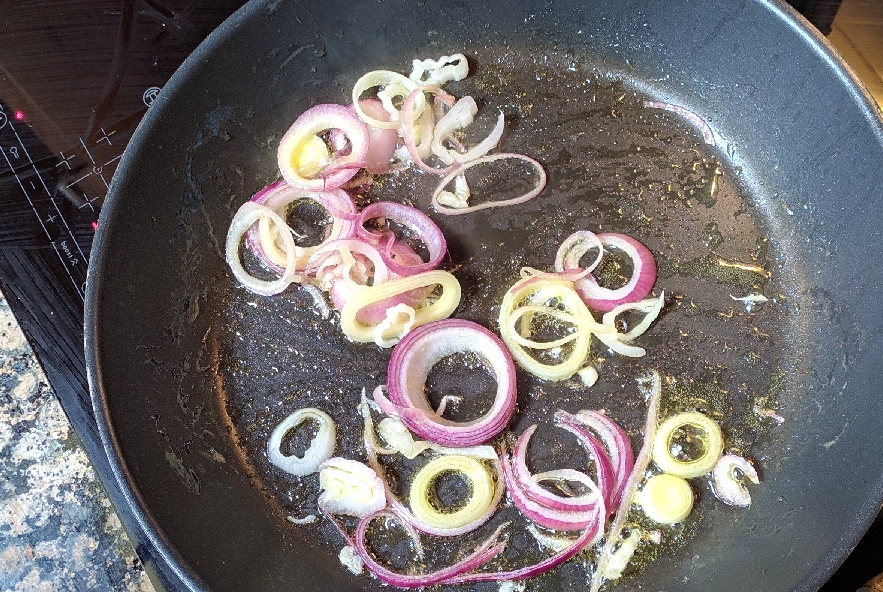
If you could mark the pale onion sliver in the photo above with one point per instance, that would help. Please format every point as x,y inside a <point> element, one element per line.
<point>380,78</point>
<point>538,186</point>
<point>441,71</point>
<point>249,213</point>
<point>320,449</point>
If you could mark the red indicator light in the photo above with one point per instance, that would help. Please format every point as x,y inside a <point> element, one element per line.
<point>94,225</point>
<point>19,115</point>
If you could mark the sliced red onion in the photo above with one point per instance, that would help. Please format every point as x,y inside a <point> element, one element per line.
<point>587,538</point>
<point>605,475</point>
<point>485,146</point>
<point>529,484</point>
<point>409,367</point>
<point>727,480</point>
<point>538,187</point>
<point>312,122</point>
<point>638,286</point>
<point>396,83</point>
<point>347,247</point>
<point>686,114</point>
<point>382,143</point>
<point>320,449</point>
<point>423,226</point>
<point>489,549</point>
<point>542,514</point>
<point>574,248</point>
<point>372,448</point>
<point>262,238</point>
<point>637,474</point>
<point>617,443</point>
<point>247,215</point>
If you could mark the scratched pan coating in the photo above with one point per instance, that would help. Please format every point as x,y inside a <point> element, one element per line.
<point>190,372</point>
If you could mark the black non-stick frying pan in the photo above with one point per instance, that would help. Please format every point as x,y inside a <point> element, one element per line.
<point>189,372</point>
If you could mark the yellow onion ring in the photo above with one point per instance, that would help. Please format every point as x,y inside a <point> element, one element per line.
<point>439,309</point>
<point>574,311</point>
<point>475,508</point>
<point>713,444</point>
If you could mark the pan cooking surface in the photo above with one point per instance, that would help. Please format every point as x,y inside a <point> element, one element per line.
<point>614,166</point>
<point>190,373</point>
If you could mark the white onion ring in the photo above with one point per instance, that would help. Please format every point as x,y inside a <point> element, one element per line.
<point>245,217</point>
<point>539,186</point>
<point>320,449</point>
<point>409,367</point>
<point>727,486</point>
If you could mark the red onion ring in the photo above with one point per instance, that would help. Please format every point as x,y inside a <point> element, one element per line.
<point>538,494</point>
<point>638,286</point>
<point>586,538</point>
<point>279,195</point>
<point>382,143</point>
<point>544,515</point>
<point>314,121</point>
<point>409,365</point>
<point>408,108</point>
<point>686,114</point>
<point>603,466</point>
<point>482,554</point>
<point>616,441</point>
<point>427,230</point>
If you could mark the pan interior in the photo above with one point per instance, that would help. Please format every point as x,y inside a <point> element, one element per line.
<point>614,166</point>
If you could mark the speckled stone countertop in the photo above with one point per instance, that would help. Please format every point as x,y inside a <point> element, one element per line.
<point>58,530</point>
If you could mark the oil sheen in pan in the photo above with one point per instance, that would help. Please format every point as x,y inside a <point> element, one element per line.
<point>613,166</point>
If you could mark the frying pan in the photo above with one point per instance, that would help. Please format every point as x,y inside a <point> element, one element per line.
<point>188,372</point>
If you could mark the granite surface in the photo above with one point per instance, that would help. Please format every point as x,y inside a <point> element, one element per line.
<point>58,530</point>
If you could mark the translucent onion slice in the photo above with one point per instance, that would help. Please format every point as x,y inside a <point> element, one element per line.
<point>686,114</point>
<point>620,342</point>
<point>614,534</point>
<point>728,480</point>
<point>666,499</point>
<point>539,185</point>
<point>320,449</point>
<point>321,175</point>
<point>381,78</point>
<point>481,492</point>
<point>712,445</point>
<point>409,367</point>
<point>438,309</point>
<point>568,307</point>
<point>247,215</point>
<point>350,487</point>
<point>264,240</point>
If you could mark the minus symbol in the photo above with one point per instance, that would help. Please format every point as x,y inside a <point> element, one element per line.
<point>34,187</point>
